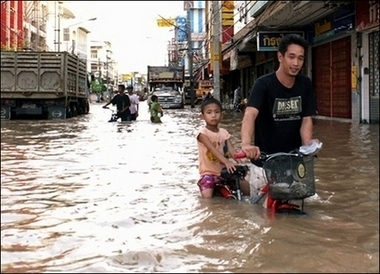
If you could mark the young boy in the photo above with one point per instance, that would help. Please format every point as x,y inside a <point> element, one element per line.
<point>155,110</point>
<point>211,141</point>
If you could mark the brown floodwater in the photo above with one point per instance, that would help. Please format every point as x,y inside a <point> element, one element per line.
<point>85,195</point>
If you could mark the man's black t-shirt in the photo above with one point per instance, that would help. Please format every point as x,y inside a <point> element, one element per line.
<point>121,101</point>
<point>281,109</point>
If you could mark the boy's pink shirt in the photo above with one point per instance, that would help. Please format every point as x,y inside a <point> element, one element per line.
<point>208,163</point>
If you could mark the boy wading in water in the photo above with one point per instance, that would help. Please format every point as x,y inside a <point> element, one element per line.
<point>212,143</point>
<point>155,110</point>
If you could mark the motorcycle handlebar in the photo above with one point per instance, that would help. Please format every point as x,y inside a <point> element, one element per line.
<point>240,155</point>
<point>264,156</point>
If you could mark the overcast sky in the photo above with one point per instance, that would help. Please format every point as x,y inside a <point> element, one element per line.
<point>131,27</point>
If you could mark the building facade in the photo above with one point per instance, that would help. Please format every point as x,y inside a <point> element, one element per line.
<point>343,56</point>
<point>12,30</point>
<point>103,65</point>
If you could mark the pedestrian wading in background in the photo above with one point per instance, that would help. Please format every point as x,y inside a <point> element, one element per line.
<point>134,108</point>
<point>155,110</point>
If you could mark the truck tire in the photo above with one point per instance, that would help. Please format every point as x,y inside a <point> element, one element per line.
<point>74,111</point>
<point>87,108</point>
<point>68,112</point>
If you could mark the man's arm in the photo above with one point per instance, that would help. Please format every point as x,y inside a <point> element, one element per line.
<point>247,131</point>
<point>247,125</point>
<point>106,105</point>
<point>137,103</point>
<point>306,130</point>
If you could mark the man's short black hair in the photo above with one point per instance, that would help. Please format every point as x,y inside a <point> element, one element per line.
<point>121,86</point>
<point>290,39</point>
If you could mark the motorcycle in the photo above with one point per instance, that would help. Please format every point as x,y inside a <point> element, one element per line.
<point>240,107</point>
<point>114,115</point>
<point>229,187</point>
<point>289,178</point>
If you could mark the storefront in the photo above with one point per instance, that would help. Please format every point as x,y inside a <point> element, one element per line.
<point>332,64</point>
<point>373,58</point>
<point>241,70</point>
<point>367,26</point>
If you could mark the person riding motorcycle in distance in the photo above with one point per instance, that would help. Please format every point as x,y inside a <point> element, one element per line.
<point>122,102</point>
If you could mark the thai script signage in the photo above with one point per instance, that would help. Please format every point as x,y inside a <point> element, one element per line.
<point>166,22</point>
<point>339,22</point>
<point>324,28</point>
<point>270,40</point>
<point>205,83</point>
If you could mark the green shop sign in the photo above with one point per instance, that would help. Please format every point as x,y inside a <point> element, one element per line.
<point>98,86</point>
<point>269,40</point>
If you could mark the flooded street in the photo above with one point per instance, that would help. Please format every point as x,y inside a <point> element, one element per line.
<point>85,195</point>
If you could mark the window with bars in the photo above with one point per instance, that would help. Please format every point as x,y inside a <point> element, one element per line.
<point>94,54</point>
<point>66,34</point>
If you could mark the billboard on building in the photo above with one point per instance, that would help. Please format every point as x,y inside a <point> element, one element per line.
<point>181,29</point>
<point>227,20</point>
<point>126,77</point>
<point>166,22</point>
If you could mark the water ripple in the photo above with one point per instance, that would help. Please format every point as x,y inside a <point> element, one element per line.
<point>84,195</point>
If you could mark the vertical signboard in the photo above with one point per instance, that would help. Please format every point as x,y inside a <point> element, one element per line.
<point>215,56</point>
<point>181,29</point>
<point>227,20</point>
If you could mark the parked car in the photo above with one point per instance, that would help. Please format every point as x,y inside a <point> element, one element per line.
<point>169,97</point>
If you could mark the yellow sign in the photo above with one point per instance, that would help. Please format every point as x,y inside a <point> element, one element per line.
<point>228,13</point>
<point>215,56</point>
<point>126,77</point>
<point>166,22</point>
<point>354,78</point>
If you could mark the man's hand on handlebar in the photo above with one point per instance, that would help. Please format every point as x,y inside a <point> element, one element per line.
<point>251,152</point>
<point>105,107</point>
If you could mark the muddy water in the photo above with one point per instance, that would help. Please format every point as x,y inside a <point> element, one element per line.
<point>84,195</point>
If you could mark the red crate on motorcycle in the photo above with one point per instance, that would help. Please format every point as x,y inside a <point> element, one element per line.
<point>290,177</point>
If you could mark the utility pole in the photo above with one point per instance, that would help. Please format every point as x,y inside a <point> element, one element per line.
<point>190,58</point>
<point>169,51</point>
<point>109,93</point>
<point>59,32</point>
<point>216,30</point>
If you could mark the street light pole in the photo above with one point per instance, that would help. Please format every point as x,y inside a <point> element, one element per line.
<point>59,32</point>
<point>190,57</point>
<point>107,51</point>
<point>216,29</point>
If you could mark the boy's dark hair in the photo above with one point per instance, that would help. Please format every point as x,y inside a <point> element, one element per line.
<point>154,98</point>
<point>290,39</point>
<point>209,101</point>
<point>121,86</point>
